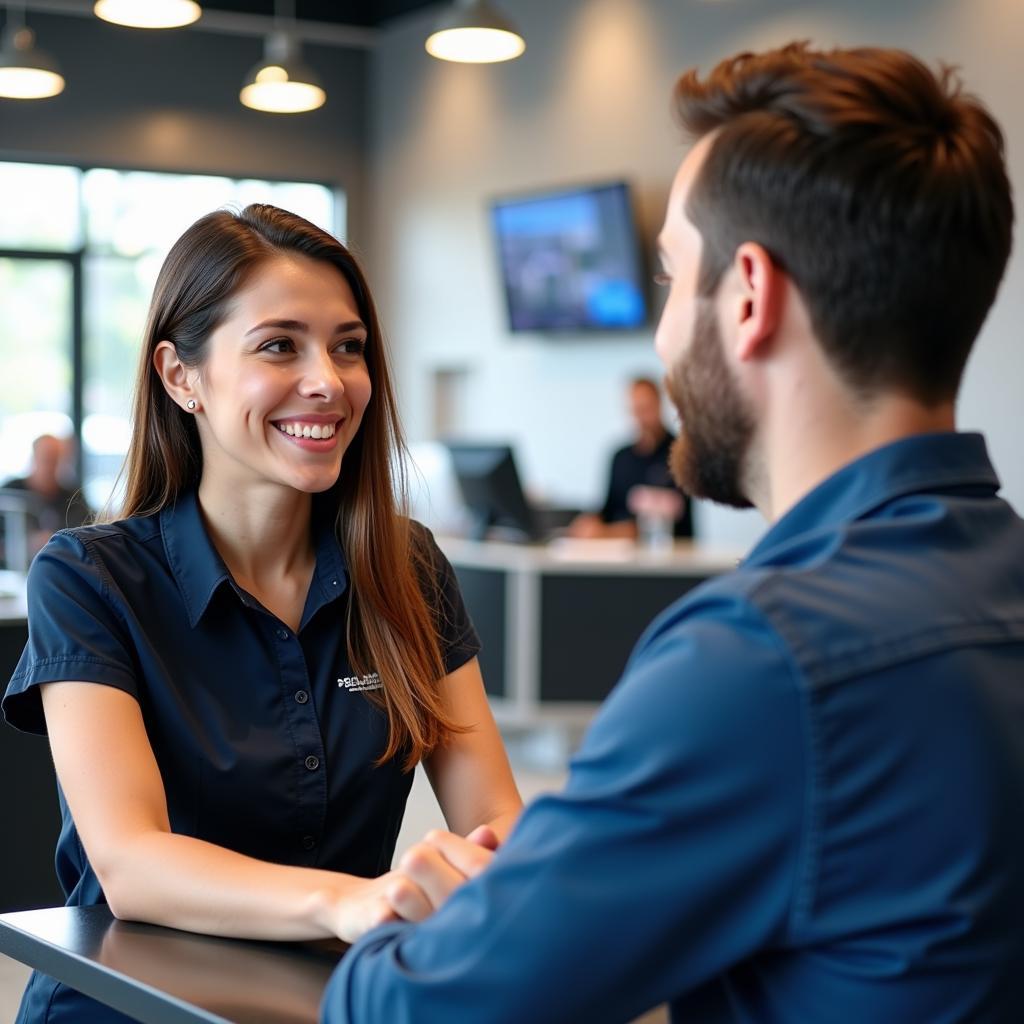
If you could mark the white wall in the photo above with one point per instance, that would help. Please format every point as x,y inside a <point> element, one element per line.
<point>588,101</point>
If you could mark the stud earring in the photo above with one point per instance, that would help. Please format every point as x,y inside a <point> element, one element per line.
<point>191,405</point>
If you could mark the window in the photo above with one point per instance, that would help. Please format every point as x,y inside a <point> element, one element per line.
<point>79,254</point>
<point>37,313</point>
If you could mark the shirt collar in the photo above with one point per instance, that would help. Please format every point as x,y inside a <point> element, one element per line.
<point>923,462</point>
<point>199,570</point>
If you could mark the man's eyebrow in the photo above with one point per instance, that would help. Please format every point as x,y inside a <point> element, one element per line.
<point>299,325</point>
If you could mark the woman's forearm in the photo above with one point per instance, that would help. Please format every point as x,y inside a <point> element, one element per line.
<point>187,883</point>
<point>503,823</point>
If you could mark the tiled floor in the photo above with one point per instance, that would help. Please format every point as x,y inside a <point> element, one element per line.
<point>422,814</point>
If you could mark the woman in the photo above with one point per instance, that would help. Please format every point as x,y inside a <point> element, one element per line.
<point>239,675</point>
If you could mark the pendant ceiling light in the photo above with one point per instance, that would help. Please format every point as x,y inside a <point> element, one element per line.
<point>473,32</point>
<point>281,83</point>
<point>25,72</point>
<point>148,13</point>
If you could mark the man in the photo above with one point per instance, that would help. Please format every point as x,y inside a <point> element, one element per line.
<point>804,802</point>
<point>636,469</point>
<point>49,505</point>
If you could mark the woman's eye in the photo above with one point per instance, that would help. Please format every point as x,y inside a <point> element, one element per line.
<point>352,347</point>
<point>662,280</point>
<point>277,345</point>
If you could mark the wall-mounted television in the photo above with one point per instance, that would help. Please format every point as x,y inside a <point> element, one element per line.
<point>570,260</point>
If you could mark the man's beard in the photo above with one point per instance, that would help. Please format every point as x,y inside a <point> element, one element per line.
<point>708,458</point>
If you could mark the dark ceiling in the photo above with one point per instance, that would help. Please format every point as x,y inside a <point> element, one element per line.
<point>364,13</point>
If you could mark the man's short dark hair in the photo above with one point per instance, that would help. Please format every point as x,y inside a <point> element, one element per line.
<point>876,184</point>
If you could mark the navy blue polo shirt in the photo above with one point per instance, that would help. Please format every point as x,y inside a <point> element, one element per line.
<point>266,738</point>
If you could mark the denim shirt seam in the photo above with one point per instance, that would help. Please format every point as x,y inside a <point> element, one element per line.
<point>842,662</point>
<point>808,856</point>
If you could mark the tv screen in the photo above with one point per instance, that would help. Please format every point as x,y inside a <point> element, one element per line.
<point>570,260</point>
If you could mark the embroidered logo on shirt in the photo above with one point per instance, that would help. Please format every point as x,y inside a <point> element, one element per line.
<point>356,683</point>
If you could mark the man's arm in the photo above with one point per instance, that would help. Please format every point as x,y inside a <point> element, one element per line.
<point>671,855</point>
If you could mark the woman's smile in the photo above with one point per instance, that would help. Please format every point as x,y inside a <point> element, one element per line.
<point>312,433</point>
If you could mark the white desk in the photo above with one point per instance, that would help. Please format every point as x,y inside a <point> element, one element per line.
<point>12,597</point>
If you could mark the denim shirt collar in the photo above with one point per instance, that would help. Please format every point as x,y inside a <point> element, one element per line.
<point>923,462</point>
<point>199,571</point>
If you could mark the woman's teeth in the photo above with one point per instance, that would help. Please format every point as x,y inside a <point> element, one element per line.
<point>317,431</point>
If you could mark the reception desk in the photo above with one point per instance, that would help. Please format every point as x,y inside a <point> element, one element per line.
<point>558,621</point>
<point>163,976</point>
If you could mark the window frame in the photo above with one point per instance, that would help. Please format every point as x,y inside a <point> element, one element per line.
<point>78,257</point>
<point>75,258</point>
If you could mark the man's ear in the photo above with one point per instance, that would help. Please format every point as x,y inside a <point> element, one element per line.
<point>759,289</point>
<point>174,375</point>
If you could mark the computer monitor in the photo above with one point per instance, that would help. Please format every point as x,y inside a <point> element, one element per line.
<point>17,518</point>
<point>487,477</point>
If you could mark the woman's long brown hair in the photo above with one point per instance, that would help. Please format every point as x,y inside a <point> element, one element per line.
<point>391,628</point>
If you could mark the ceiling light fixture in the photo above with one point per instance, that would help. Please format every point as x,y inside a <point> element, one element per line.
<point>26,73</point>
<point>281,83</point>
<point>473,32</point>
<point>148,13</point>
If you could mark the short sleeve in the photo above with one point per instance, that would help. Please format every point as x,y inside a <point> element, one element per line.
<point>458,636</point>
<point>74,632</point>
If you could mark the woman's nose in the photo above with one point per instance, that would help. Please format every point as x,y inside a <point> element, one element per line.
<point>322,378</point>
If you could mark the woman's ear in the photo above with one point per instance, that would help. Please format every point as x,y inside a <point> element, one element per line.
<point>174,376</point>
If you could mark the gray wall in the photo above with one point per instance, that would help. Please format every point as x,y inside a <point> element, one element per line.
<point>169,101</point>
<point>590,100</point>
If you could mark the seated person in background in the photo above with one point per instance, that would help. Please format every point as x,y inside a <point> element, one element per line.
<point>238,677</point>
<point>51,505</point>
<point>641,464</point>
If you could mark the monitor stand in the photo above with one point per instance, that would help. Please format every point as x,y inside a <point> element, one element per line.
<point>479,524</point>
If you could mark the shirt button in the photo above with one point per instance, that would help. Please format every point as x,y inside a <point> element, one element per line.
<point>282,634</point>
<point>308,842</point>
<point>312,762</point>
<point>301,696</point>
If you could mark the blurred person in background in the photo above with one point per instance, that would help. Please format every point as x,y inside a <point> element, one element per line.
<point>52,501</point>
<point>636,468</point>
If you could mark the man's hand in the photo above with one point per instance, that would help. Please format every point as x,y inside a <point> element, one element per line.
<point>358,905</point>
<point>437,866</point>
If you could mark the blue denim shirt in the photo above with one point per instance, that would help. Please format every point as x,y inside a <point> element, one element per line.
<point>804,801</point>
